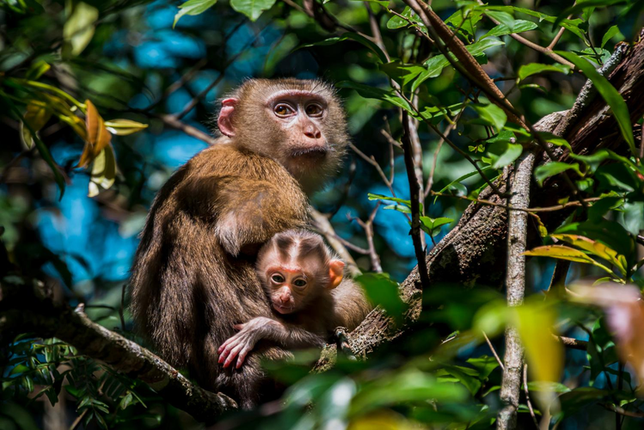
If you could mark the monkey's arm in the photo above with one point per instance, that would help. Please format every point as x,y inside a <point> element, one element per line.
<point>286,335</point>
<point>252,211</point>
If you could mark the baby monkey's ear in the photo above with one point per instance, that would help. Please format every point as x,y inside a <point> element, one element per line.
<point>336,272</point>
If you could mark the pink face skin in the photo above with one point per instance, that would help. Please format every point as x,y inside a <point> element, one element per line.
<point>288,288</point>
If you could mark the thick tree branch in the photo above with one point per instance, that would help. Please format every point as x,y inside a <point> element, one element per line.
<point>27,306</point>
<point>520,179</point>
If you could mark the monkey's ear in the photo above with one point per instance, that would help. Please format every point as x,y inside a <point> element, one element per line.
<point>336,272</point>
<point>225,120</point>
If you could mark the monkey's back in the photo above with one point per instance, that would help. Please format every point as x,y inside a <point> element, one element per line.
<point>183,279</point>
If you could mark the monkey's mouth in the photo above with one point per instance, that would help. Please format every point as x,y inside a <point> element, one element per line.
<point>282,309</point>
<point>313,152</point>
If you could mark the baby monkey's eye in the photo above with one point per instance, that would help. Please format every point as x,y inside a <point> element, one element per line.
<point>277,278</point>
<point>299,283</point>
<point>283,110</point>
<point>314,110</point>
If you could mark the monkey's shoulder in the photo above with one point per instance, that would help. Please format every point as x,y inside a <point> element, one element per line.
<point>225,160</point>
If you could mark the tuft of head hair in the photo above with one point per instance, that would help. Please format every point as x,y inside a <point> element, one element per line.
<point>299,248</point>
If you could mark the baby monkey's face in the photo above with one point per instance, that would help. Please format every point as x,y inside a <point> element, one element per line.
<point>290,288</point>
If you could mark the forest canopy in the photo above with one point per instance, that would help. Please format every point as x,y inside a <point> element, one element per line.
<point>491,205</point>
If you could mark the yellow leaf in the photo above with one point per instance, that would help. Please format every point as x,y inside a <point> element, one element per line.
<point>36,117</point>
<point>564,253</point>
<point>124,127</point>
<point>103,171</point>
<point>544,355</point>
<point>79,28</point>
<point>595,248</point>
<point>98,137</point>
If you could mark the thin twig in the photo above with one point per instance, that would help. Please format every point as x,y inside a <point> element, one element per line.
<point>367,226</point>
<point>529,210</point>
<point>174,122</point>
<point>527,395</point>
<point>489,343</point>
<point>339,246</point>
<point>414,191</point>
<point>573,343</point>
<point>196,99</point>
<point>430,180</point>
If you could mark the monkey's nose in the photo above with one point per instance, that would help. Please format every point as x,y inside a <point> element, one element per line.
<point>312,132</point>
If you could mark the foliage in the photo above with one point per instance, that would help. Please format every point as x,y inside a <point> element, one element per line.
<point>101,100</point>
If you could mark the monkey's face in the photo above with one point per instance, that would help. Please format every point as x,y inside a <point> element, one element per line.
<point>290,288</point>
<point>300,124</point>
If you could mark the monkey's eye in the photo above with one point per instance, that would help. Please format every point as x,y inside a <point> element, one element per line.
<point>314,110</point>
<point>299,283</point>
<point>277,278</point>
<point>283,110</point>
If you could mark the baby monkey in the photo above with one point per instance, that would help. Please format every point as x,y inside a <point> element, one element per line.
<point>309,295</point>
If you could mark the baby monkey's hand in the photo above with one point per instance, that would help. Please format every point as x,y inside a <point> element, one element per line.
<point>243,342</point>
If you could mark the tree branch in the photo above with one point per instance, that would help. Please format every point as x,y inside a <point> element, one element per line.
<point>27,306</point>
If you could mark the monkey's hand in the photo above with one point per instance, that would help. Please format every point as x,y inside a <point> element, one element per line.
<point>243,342</point>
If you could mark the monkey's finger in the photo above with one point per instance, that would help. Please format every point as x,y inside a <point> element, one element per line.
<point>242,356</point>
<point>239,326</point>
<point>233,353</point>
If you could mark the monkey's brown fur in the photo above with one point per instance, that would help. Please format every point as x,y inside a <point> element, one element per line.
<point>193,277</point>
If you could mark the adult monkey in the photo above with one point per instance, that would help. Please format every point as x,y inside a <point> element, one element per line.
<point>193,277</point>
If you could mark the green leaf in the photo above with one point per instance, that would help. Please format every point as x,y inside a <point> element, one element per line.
<point>610,95</point>
<point>502,153</point>
<point>593,161</point>
<point>520,25</point>
<point>491,114</point>
<point>541,173</point>
<point>484,364</point>
<point>193,7</point>
<point>464,177</point>
<point>574,400</point>
<point>436,64</point>
<point>584,4</point>
<point>37,69</point>
<point>79,28</point>
<point>382,57</point>
<point>534,68</point>
<point>396,22</point>
<point>466,376</point>
<point>610,33</point>
<point>252,8</point>
<point>432,226</point>
<point>571,25</point>
<point>402,73</point>
<point>553,387</point>
<point>564,253</point>
<point>383,3</point>
<point>377,93</point>
<point>384,292</point>
<point>465,21</point>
